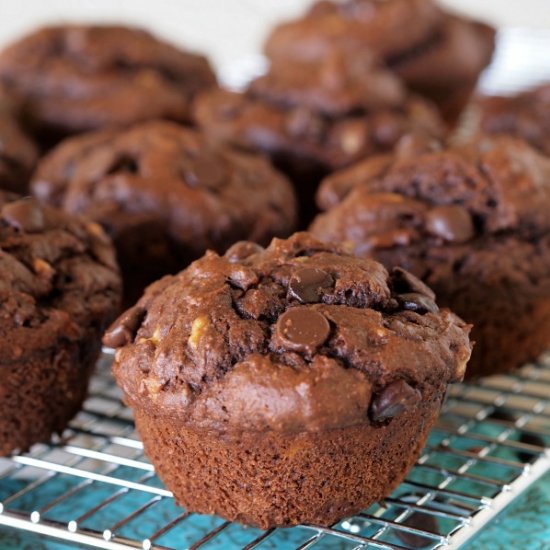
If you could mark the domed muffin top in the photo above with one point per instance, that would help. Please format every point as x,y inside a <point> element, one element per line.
<point>203,197</point>
<point>76,77</point>
<point>387,27</point>
<point>330,112</point>
<point>336,86</point>
<point>298,336</point>
<point>58,277</point>
<point>428,196</point>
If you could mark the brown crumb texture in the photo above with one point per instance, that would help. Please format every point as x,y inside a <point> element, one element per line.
<point>300,348</point>
<point>59,287</point>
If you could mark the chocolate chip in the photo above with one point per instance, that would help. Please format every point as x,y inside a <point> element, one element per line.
<point>123,330</point>
<point>303,329</point>
<point>417,302</point>
<point>306,284</point>
<point>405,282</point>
<point>24,215</point>
<point>393,400</point>
<point>451,223</point>
<point>242,250</point>
<point>206,171</point>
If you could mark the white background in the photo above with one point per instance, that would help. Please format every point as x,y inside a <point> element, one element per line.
<point>226,30</point>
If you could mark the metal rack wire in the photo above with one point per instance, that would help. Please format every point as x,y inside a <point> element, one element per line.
<point>93,486</point>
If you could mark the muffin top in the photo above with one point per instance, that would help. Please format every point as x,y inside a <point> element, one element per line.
<point>388,27</point>
<point>427,196</point>
<point>428,209</point>
<point>18,154</point>
<point>526,115</point>
<point>300,336</point>
<point>75,77</point>
<point>158,171</point>
<point>332,111</point>
<point>337,86</point>
<point>58,278</point>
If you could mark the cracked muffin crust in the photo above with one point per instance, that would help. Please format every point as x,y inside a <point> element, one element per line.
<point>254,373</point>
<point>18,154</point>
<point>165,196</point>
<point>314,117</point>
<point>74,78</point>
<point>59,288</point>
<point>437,54</point>
<point>470,221</point>
<point>525,115</point>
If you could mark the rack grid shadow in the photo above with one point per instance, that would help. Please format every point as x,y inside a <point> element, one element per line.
<point>93,486</point>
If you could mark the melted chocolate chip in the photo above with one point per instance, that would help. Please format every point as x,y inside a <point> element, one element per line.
<point>205,170</point>
<point>24,215</point>
<point>306,284</point>
<point>303,329</point>
<point>405,282</point>
<point>393,400</point>
<point>418,303</point>
<point>451,223</point>
<point>123,330</point>
<point>242,250</point>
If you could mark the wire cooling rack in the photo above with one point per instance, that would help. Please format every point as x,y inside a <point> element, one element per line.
<point>93,486</point>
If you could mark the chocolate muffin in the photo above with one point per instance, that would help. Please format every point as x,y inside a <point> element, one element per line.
<point>314,117</point>
<point>74,78</point>
<point>18,154</point>
<point>471,221</point>
<point>59,289</point>
<point>283,385</point>
<point>439,55</point>
<point>525,115</point>
<point>165,196</point>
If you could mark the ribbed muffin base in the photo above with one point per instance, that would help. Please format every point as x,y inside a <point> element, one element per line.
<point>279,479</point>
<point>42,392</point>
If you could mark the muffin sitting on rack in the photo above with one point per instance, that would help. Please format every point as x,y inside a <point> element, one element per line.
<point>471,221</point>
<point>314,117</point>
<point>165,195</point>
<point>437,54</point>
<point>59,288</point>
<point>292,384</point>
